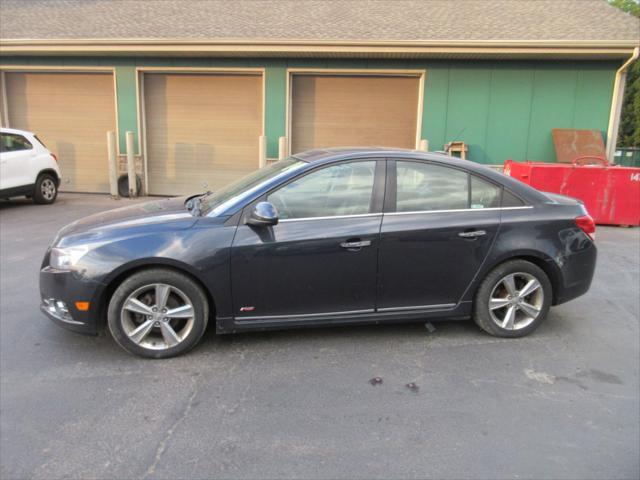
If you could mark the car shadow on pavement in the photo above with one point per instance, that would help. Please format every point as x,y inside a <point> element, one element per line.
<point>17,202</point>
<point>103,344</point>
<point>445,330</point>
<point>447,333</point>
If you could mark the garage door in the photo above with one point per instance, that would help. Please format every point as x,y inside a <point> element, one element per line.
<point>333,110</point>
<point>202,131</point>
<point>71,113</point>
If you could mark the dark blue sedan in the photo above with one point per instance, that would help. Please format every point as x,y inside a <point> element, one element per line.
<point>326,237</point>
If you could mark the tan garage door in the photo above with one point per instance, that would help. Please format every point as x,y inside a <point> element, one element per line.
<point>202,130</point>
<point>334,110</point>
<point>71,113</point>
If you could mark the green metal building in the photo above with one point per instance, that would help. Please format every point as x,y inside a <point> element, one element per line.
<point>212,89</point>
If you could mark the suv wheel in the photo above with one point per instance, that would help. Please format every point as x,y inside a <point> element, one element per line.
<point>158,313</point>
<point>513,300</point>
<point>46,190</point>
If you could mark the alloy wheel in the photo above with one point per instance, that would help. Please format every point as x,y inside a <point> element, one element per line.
<point>157,316</point>
<point>516,301</point>
<point>48,189</point>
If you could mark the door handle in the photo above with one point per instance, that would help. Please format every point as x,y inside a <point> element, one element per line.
<point>472,234</point>
<point>355,244</point>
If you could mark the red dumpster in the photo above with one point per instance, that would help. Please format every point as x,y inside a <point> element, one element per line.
<point>611,194</point>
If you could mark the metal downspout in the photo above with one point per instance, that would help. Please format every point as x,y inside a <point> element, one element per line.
<point>616,104</point>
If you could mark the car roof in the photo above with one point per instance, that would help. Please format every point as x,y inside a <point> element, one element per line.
<point>15,130</point>
<point>336,154</point>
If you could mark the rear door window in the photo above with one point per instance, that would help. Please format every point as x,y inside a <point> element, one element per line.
<point>423,187</point>
<point>11,142</point>
<point>484,194</point>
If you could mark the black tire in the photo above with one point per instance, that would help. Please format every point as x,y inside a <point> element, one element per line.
<point>481,311</point>
<point>123,185</point>
<point>118,320</point>
<point>46,189</point>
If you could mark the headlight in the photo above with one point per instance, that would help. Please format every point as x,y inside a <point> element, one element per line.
<point>66,258</point>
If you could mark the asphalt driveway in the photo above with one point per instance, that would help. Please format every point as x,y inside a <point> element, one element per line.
<point>562,403</point>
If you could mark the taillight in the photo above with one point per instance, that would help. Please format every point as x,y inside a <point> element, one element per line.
<point>587,225</point>
<point>54,157</point>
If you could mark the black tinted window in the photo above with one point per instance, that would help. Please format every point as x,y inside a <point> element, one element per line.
<point>12,142</point>
<point>343,189</point>
<point>484,194</point>
<point>423,186</point>
<point>510,200</point>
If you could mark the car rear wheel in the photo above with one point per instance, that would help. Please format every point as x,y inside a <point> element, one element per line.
<point>158,313</point>
<point>46,190</point>
<point>513,300</point>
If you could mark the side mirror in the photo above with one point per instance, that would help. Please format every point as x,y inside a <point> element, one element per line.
<point>264,214</point>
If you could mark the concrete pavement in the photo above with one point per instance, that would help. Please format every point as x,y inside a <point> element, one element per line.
<point>561,403</point>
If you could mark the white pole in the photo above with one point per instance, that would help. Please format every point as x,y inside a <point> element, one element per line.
<point>131,167</point>
<point>262,154</point>
<point>424,145</point>
<point>113,164</point>
<point>282,148</point>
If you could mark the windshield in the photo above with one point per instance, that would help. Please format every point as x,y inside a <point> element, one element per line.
<point>221,200</point>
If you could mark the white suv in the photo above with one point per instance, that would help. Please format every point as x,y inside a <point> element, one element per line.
<point>27,167</point>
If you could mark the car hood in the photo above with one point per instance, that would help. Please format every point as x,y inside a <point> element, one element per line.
<point>169,212</point>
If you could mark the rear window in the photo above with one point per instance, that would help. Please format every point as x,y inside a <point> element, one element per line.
<point>510,200</point>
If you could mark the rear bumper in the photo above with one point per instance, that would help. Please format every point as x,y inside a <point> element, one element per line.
<point>577,274</point>
<point>59,292</point>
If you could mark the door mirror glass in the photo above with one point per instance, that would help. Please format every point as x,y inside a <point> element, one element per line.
<point>263,214</point>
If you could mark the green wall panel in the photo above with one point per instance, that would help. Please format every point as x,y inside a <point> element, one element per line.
<point>592,108</point>
<point>434,108</point>
<point>468,109</point>
<point>275,107</point>
<point>505,109</point>
<point>127,106</point>
<point>554,99</point>
<point>508,122</point>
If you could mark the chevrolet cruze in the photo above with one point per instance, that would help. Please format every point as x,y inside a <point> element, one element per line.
<point>326,237</point>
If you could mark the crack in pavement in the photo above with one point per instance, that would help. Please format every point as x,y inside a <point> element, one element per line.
<point>167,436</point>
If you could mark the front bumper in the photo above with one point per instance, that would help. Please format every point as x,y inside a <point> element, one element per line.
<point>59,292</point>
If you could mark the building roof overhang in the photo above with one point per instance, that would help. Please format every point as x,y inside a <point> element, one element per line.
<point>414,49</point>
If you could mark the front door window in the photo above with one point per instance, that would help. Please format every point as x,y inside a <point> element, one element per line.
<point>338,190</point>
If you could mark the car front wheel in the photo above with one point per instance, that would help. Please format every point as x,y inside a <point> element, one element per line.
<point>513,300</point>
<point>158,313</point>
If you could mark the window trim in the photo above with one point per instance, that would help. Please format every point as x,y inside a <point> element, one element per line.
<point>375,202</point>
<point>355,215</point>
<point>459,210</point>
